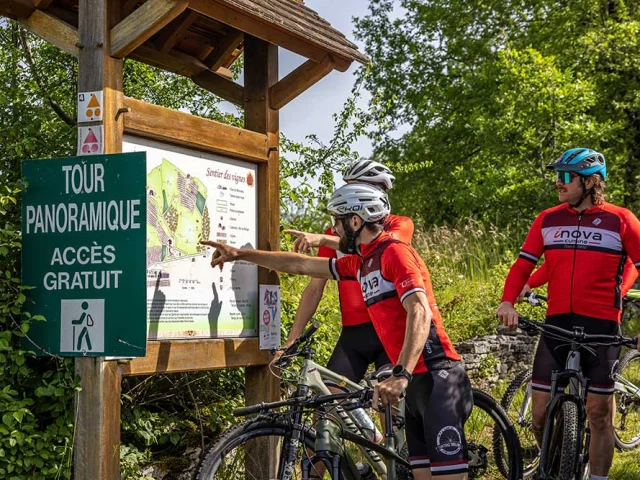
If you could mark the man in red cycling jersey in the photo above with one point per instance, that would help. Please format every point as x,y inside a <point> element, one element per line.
<point>358,345</point>
<point>585,242</point>
<point>396,288</point>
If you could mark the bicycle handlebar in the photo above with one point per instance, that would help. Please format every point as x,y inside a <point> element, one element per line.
<point>534,298</point>
<point>306,335</point>
<point>294,349</point>
<point>576,335</point>
<point>361,397</point>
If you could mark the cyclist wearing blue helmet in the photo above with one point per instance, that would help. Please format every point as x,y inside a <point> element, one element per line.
<point>585,242</point>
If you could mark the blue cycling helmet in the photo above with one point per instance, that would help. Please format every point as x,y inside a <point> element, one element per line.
<point>582,161</point>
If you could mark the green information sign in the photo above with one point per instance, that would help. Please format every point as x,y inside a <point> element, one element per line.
<point>84,250</point>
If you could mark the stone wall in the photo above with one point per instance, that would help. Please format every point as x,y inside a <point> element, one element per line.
<point>497,357</point>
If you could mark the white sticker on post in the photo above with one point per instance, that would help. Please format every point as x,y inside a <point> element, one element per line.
<point>269,317</point>
<point>90,106</point>
<point>90,140</point>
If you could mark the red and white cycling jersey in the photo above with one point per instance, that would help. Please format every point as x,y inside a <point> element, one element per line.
<point>629,276</point>
<point>389,271</point>
<point>586,254</point>
<point>352,307</point>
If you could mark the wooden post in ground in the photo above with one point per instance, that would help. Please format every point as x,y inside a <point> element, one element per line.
<point>97,439</point>
<point>260,73</point>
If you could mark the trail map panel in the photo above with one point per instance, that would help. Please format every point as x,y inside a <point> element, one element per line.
<point>191,196</point>
<point>84,244</point>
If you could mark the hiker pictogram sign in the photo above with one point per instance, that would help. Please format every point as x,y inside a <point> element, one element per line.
<point>90,140</point>
<point>90,106</point>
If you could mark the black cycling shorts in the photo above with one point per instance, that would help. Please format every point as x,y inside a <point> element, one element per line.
<point>552,354</point>
<point>357,348</point>
<point>438,404</point>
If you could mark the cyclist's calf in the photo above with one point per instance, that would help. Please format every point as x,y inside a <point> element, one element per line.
<point>539,400</point>
<point>600,414</point>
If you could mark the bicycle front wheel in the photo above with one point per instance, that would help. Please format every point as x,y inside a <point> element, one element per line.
<point>627,395</point>
<point>563,445</point>
<point>243,451</point>
<point>517,403</point>
<point>494,448</point>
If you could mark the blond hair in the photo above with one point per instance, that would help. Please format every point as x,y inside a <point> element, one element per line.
<point>597,191</point>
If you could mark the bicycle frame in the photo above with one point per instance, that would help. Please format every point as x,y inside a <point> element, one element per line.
<point>311,378</point>
<point>526,401</point>
<point>624,385</point>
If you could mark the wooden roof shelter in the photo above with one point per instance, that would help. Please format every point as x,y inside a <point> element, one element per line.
<point>202,39</point>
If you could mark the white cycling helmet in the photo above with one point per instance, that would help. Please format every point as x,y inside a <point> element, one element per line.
<point>369,171</point>
<point>370,203</point>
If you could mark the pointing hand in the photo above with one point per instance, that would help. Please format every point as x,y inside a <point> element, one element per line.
<point>224,253</point>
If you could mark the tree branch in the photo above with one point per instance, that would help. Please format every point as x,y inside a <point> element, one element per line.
<point>34,71</point>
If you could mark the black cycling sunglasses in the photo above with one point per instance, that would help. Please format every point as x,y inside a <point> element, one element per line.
<point>565,177</point>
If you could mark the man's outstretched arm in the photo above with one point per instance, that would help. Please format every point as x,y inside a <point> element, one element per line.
<point>285,262</point>
<point>306,241</point>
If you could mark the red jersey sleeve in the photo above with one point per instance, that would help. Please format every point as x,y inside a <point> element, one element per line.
<point>529,255</point>
<point>539,277</point>
<point>631,237</point>
<point>326,252</point>
<point>629,276</point>
<point>401,266</point>
<point>345,268</point>
<point>400,228</point>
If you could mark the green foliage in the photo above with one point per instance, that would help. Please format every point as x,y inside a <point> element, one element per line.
<point>489,92</point>
<point>468,264</point>
<point>327,314</point>
<point>307,169</point>
<point>35,394</point>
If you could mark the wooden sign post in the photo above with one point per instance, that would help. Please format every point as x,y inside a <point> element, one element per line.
<point>199,39</point>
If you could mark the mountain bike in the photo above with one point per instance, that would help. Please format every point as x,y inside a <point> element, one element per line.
<point>517,399</point>
<point>627,389</point>
<point>316,431</point>
<point>564,453</point>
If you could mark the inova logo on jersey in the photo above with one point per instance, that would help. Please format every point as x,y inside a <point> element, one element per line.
<point>577,236</point>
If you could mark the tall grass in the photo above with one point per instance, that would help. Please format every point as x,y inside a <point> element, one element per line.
<point>468,248</point>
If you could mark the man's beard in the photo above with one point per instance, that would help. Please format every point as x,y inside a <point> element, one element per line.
<point>343,246</point>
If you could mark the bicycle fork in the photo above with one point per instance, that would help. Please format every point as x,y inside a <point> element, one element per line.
<point>327,449</point>
<point>289,453</point>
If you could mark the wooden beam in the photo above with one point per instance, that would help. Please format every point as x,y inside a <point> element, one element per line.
<point>97,442</point>
<point>260,73</point>
<point>299,80</point>
<point>68,16</point>
<point>224,49</point>
<point>53,30</point>
<point>169,36</point>
<point>16,9</point>
<point>221,87</point>
<point>128,7</point>
<point>142,24</point>
<point>42,4</point>
<point>190,355</point>
<point>166,125</point>
<point>175,61</point>
<point>265,31</point>
<point>97,420</point>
